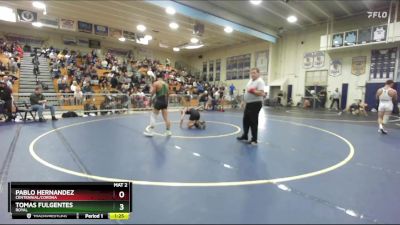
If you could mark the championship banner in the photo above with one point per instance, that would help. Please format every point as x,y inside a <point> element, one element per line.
<point>358,65</point>
<point>67,24</point>
<point>335,68</point>
<point>50,22</point>
<point>383,63</point>
<point>308,60</point>
<point>115,33</point>
<point>33,41</point>
<point>26,16</point>
<point>100,30</point>
<point>319,59</point>
<point>84,42</point>
<point>262,62</point>
<point>70,41</point>
<point>85,27</point>
<point>118,51</point>
<point>129,35</point>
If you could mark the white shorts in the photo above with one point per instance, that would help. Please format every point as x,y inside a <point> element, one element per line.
<point>385,107</point>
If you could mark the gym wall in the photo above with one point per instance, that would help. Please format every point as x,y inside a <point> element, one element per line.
<point>289,52</point>
<point>54,38</point>
<point>224,53</point>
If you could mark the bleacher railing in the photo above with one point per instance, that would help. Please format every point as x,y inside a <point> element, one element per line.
<point>110,103</point>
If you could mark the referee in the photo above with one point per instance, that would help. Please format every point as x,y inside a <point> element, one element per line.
<point>253,98</point>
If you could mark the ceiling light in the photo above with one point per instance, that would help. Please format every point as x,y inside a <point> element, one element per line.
<point>228,29</point>
<point>176,49</point>
<point>122,39</point>
<point>292,19</point>
<point>162,45</point>
<point>39,5</point>
<point>170,10</point>
<point>141,27</point>
<point>173,26</point>
<point>37,24</point>
<point>142,41</point>
<point>193,46</point>
<point>255,2</point>
<point>7,14</point>
<point>148,37</point>
<point>194,40</point>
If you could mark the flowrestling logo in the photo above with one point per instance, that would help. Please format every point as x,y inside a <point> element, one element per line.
<point>377,14</point>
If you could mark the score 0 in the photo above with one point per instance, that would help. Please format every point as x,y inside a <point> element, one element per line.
<point>121,194</point>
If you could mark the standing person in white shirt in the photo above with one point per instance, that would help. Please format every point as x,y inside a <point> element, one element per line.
<point>253,99</point>
<point>335,98</point>
<point>387,96</point>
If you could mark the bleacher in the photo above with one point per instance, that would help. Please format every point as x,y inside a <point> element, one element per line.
<point>5,60</point>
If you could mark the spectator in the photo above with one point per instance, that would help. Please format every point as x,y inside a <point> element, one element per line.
<point>39,103</point>
<point>3,67</point>
<point>74,86</point>
<point>6,100</point>
<point>232,89</point>
<point>322,98</point>
<point>8,82</point>
<point>78,95</point>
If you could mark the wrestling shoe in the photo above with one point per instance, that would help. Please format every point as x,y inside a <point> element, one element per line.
<point>382,131</point>
<point>149,132</point>
<point>168,133</point>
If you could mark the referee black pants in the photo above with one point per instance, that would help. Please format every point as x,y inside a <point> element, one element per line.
<point>250,119</point>
<point>336,100</point>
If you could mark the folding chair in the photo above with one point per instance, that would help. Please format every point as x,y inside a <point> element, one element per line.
<point>23,108</point>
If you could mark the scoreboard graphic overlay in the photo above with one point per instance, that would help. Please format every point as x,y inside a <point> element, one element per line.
<point>70,200</point>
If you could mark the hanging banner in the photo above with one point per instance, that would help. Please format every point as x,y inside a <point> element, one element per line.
<point>67,24</point>
<point>28,40</point>
<point>84,42</point>
<point>335,68</point>
<point>379,33</point>
<point>26,16</point>
<point>358,65</point>
<point>262,62</point>
<point>308,60</point>
<point>337,40</point>
<point>129,35</point>
<point>94,43</point>
<point>51,22</point>
<point>364,35</point>
<point>383,63</point>
<point>85,27</point>
<point>70,41</point>
<point>115,33</point>
<point>100,30</point>
<point>350,38</point>
<point>319,59</point>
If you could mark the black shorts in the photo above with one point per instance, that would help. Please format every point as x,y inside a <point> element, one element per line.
<point>161,102</point>
<point>194,115</point>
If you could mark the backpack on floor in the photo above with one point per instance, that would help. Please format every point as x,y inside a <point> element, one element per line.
<point>69,114</point>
